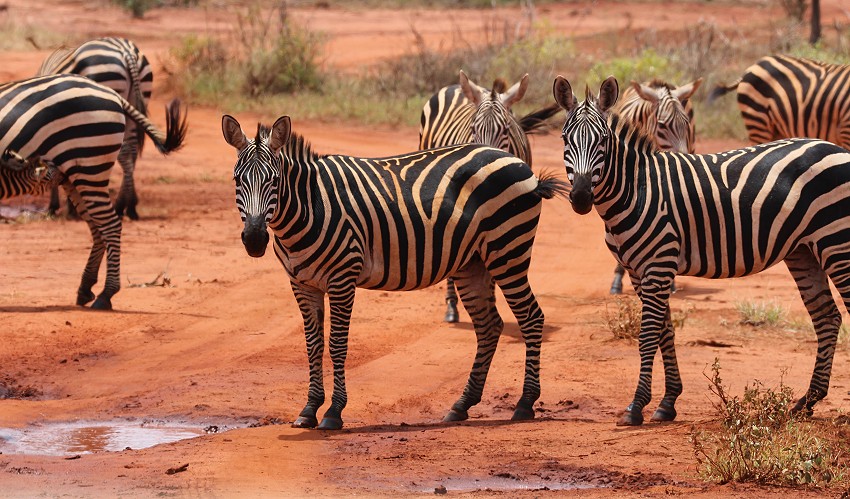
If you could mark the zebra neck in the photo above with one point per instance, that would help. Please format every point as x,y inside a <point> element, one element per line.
<point>300,208</point>
<point>629,161</point>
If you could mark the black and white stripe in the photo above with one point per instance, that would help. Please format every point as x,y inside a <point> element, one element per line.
<point>781,97</point>
<point>714,216</point>
<point>78,126</point>
<point>116,63</point>
<point>26,176</point>
<point>665,112</point>
<point>467,113</point>
<point>397,223</point>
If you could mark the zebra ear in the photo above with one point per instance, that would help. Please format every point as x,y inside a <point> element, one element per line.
<point>563,93</point>
<point>645,92</point>
<point>233,133</point>
<point>280,133</point>
<point>685,92</point>
<point>516,92</point>
<point>472,91</point>
<point>608,93</point>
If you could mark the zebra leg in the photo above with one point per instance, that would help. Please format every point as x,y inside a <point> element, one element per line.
<point>813,284</point>
<point>341,299</point>
<point>477,292</point>
<point>672,379</point>
<point>127,158</point>
<point>617,283</point>
<point>53,206</point>
<point>89,279</point>
<point>517,291</point>
<point>451,301</point>
<point>654,292</point>
<point>311,302</point>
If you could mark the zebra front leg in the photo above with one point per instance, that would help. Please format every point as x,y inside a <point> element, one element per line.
<point>654,293</point>
<point>813,284</point>
<point>477,292</point>
<point>341,299</point>
<point>127,198</point>
<point>311,303</point>
<point>451,301</point>
<point>666,410</point>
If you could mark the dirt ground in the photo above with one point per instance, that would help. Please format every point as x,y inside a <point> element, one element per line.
<point>221,344</point>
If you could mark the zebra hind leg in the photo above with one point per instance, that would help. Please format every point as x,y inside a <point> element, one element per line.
<point>477,292</point>
<point>813,284</point>
<point>617,282</point>
<point>127,198</point>
<point>451,301</point>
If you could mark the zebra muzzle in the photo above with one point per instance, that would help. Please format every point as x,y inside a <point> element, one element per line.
<point>255,237</point>
<point>581,195</point>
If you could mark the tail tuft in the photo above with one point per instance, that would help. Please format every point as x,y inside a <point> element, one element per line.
<point>549,186</point>
<point>537,121</point>
<point>175,127</point>
<point>721,90</point>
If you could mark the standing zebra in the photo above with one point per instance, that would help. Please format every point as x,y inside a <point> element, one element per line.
<point>781,97</point>
<point>464,113</point>
<point>19,176</point>
<point>710,215</point>
<point>116,63</point>
<point>78,125</point>
<point>398,223</point>
<point>665,112</point>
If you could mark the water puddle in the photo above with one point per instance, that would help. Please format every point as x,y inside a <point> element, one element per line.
<point>22,212</point>
<point>60,439</point>
<point>497,483</point>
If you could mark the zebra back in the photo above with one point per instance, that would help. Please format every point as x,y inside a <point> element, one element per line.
<point>782,97</point>
<point>664,110</point>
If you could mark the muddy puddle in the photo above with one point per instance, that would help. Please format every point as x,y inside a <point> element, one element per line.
<point>501,484</point>
<point>60,439</point>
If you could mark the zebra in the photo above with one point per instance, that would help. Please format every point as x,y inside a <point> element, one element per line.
<point>118,64</point>
<point>782,97</point>
<point>397,223</point>
<point>21,176</point>
<point>666,113</point>
<point>79,126</point>
<point>710,215</point>
<point>466,112</point>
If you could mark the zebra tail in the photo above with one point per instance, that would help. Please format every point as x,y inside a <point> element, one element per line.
<point>175,125</point>
<point>135,93</point>
<point>549,186</point>
<point>721,90</point>
<point>537,121</point>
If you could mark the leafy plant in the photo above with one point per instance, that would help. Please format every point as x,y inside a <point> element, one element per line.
<point>758,314</point>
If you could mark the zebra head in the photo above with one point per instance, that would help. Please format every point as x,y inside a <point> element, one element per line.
<point>493,118</point>
<point>675,129</point>
<point>257,175</point>
<point>586,137</point>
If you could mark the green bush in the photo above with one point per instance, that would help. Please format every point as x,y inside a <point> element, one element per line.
<point>760,314</point>
<point>757,439</point>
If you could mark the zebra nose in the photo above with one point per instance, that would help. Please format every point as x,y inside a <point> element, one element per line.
<point>581,197</point>
<point>255,238</point>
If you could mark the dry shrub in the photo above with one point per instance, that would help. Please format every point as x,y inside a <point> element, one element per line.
<point>624,321</point>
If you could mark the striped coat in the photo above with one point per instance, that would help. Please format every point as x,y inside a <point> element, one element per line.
<point>712,215</point>
<point>398,223</point>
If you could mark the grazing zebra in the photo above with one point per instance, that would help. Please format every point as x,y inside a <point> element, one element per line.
<point>781,97</point>
<point>20,176</point>
<point>466,112</point>
<point>398,223</point>
<point>710,215</point>
<point>116,63</point>
<point>665,112</point>
<point>78,125</point>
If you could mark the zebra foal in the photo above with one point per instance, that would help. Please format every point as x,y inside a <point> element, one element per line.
<point>78,126</point>
<point>21,176</point>
<point>397,223</point>
<point>665,112</point>
<point>116,63</point>
<point>465,113</point>
<point>710,215</point>
<point>781,97</point>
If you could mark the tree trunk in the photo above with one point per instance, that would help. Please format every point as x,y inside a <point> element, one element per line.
<point>814,35</point>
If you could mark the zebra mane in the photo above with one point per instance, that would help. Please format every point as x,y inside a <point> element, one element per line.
<point>630,132</point>
<point>296,148</point>
<point>499,87</point>
<point>659,83</point>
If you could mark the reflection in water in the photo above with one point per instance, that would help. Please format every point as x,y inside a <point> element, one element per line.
<point>79,438</point>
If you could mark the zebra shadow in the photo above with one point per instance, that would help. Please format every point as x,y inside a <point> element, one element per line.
<point>23,309</point>
<point>511,331</point>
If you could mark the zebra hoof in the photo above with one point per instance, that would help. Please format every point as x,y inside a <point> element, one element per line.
<point>102,304</point>
<point>801,409</point>
<point>523,414</point>
<point>305,422</point>
<point>630,417</point>
<point>456,415</point>
<point>616,290</point>
<point>331,423</point>
<point>665,412</point>
<point>451,314</point>
<point>132,215</point>
<point>84,298</point>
